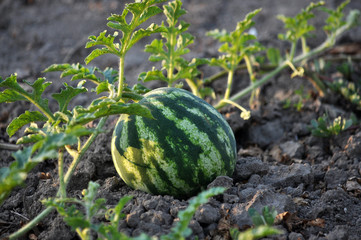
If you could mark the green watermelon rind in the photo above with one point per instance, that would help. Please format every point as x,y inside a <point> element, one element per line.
<point>178,153</point>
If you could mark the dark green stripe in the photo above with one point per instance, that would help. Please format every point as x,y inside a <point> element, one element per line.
<point>166,128</point>
<point>180,109</point>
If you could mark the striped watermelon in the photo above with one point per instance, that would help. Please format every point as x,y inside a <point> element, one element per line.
<point>178,153</point>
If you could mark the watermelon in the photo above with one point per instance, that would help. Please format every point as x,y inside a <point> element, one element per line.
<point>179,152</point>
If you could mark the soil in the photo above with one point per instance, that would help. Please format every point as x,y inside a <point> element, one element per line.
<point>314,183</point>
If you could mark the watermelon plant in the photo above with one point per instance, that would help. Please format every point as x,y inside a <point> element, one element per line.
<point>262,225</point>
<point>67,130</point>
<point>179,152</point>
<point>298,31</point>
<point>161,121</point>
<point>324,127</point>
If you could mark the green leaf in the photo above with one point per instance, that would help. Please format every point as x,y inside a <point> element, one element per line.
<point>141,33</point>
<point>9,95</point>
<point>102,39</point>
<point>184,40</point>
<point>152,75</point>
<point>79,72</point>
<point>269,213</point>
<point>49,146</point>
<point>140,89</point>
<point>103,87</point>
<point>21,157</point>
<point>57,67</point>
<point>222,36</point>
<point>96,53</point>
<point>30,138</point>
<point>335,19</point>
<point>136,8</point>
<point>24,119</point>
<point>77,222</point>
<point>141,12</point>
<point>110,75</point>
<point>66,95</point>
<point>171,48</point>
<point>149,12</point>
<point>118,22</point>
<point>274,56</point>
<point>105,107</point>
<point>28,158</point>
<point>298,26</point>
<point>236,44</point>
<point>115,214</point>
<point>348,123</point>
<point>11,82</point>
<point>266,218</point>
<point>16,173</point>
<point>257,219</point>
<point>173,12</point>
<point>156,48</point>
<point>254,233</point>
<point>207,91</point>
<point>16,92</point>
<point>78,131</point>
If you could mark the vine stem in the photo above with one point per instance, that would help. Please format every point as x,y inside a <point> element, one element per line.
<point>229,85</point>
<point>171,49</point>
<point>67,178</point>
<point>62,187</point>
<point>121,77</point>
<point>193,87</point>
<point>267,67</point>
<point>255,92</point>
<point>329,42</point>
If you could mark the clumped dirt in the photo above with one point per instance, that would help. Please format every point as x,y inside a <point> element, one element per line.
<point>314,183</point>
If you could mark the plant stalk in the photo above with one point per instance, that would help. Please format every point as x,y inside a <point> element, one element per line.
<point>85,147</point>
<point>229,84</point>
<point>170,69</point>
<point>304,45</point>
<point>266,67</point>
<point>293,50</point>
<point>254,94</point>
<point>62,187</point>
<point>193,87</point>
<point>31,224</point>
<point>121,77</point>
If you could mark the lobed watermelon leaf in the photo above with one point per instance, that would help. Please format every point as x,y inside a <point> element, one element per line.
<point>66,95</point>
<point>24,119</point>
<point>99,52</point>
<point>15,92</point>
<point>335,19</point>
<point>298,26</point>
<point>141,12</point>
<point>105,107</point>
<point>170,49</point>
<point>236,44</point>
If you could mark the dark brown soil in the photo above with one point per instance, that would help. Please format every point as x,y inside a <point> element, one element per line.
<point>315,182</point>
